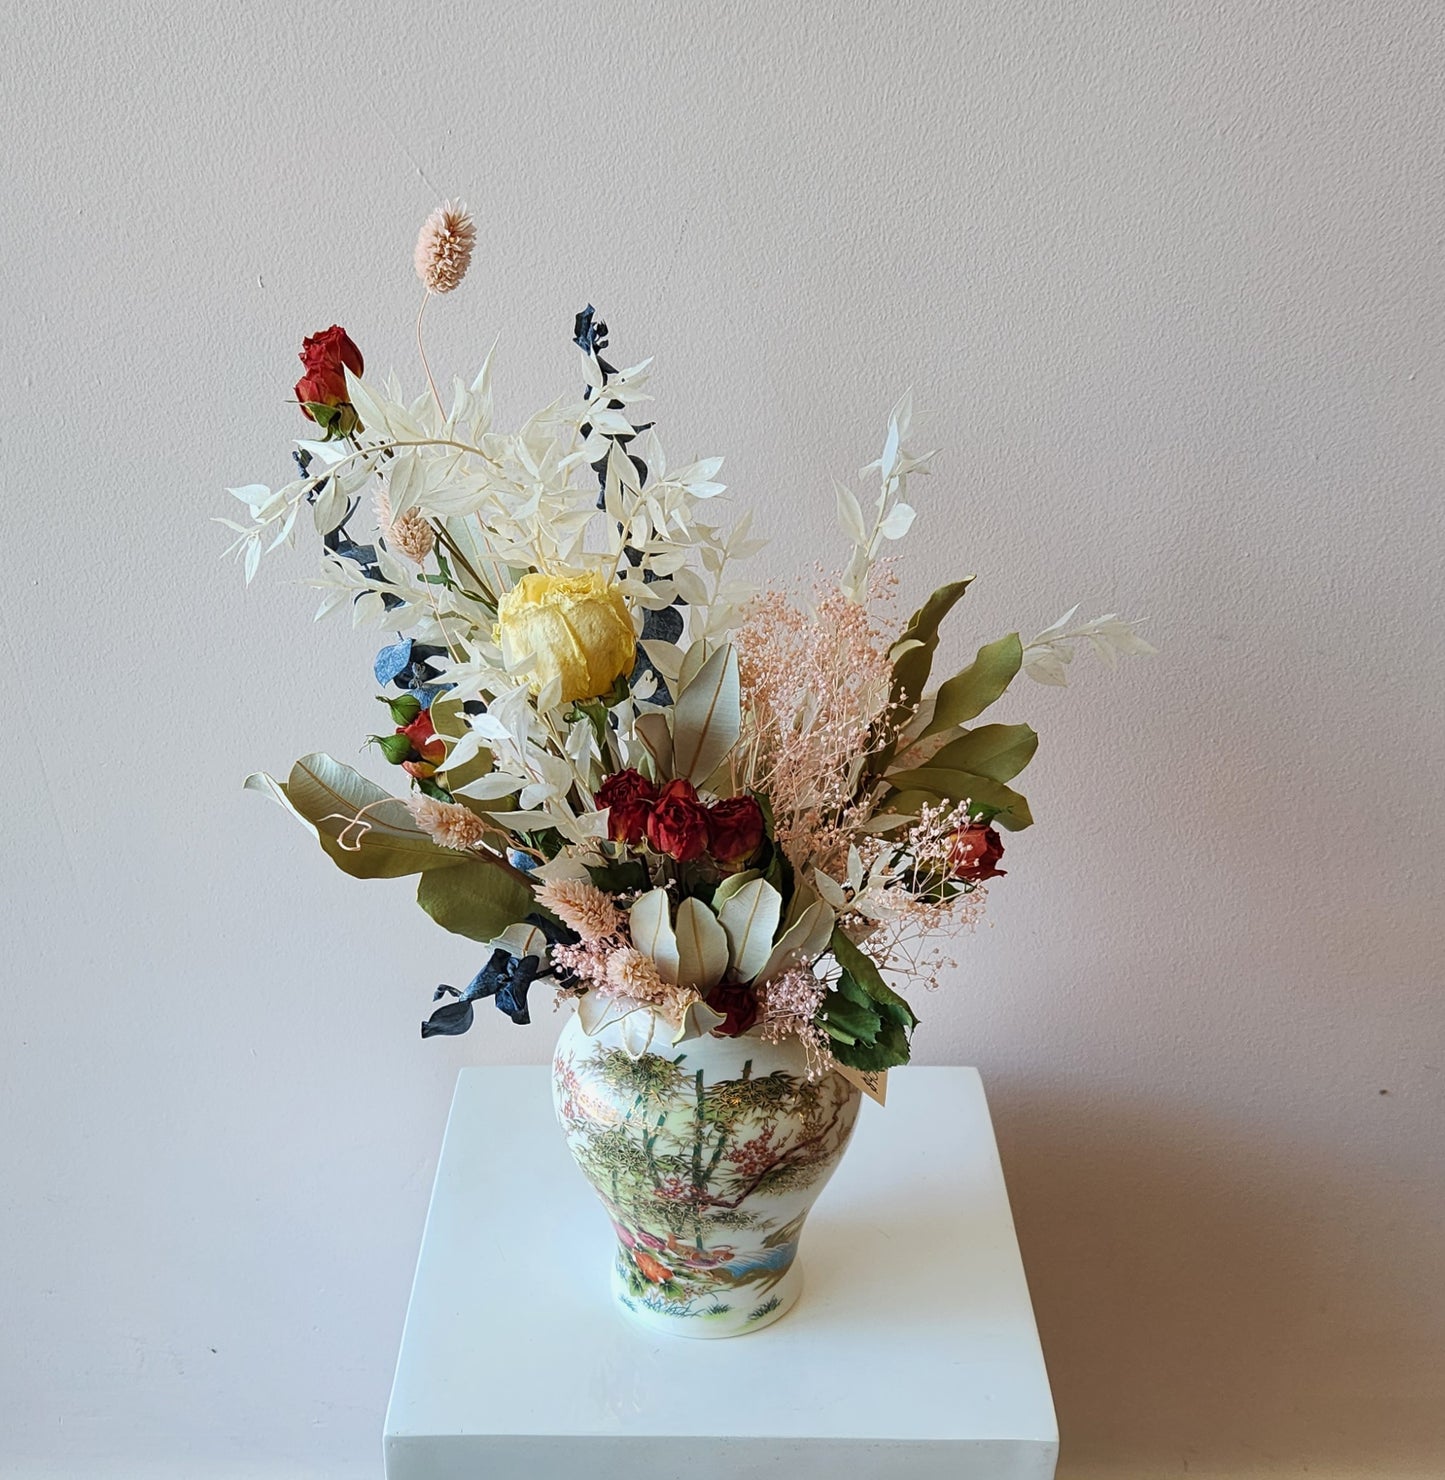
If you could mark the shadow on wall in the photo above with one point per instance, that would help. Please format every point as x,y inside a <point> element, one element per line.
<point>1209,1307</point>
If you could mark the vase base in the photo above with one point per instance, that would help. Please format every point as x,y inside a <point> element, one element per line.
<point>715,1315</point>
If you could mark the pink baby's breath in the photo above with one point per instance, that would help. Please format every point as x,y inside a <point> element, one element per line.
<point>788,1005</point>
<point>817,686</point>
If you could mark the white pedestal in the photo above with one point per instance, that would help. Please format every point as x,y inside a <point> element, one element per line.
<point>912,1356</point>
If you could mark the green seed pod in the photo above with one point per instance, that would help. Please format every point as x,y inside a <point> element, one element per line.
<point>396,748</point>
<point>404,708</point>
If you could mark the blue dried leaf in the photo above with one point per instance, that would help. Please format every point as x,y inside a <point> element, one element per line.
<point>662,626</point>
<point>554,932</point>
<point>448,1020</point>
<point>491,978</point>
<point>512,1000</point>
<point>392,660</point>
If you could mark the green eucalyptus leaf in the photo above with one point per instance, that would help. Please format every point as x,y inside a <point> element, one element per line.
<point>329,797</point>
<point>957,786</point>
<point>999,752</point>
<point>802,942</point>
<point>779,873</point>
<point>967,694</point>
<point>691,663</point>
<point>479,900</point>
<point>917,644</point>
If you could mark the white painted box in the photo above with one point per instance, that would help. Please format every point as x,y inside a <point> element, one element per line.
<point>912,1356</point>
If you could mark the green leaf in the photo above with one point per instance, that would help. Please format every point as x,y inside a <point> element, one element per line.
<point>450,722</point>
<point>852,989</point>
<point>888,1052</point>
<point>329,797</point>
<point>865,973</point>
<point>968,694</point>
<point>999,752</point>
<point>913,664</point>
<point>957,786</point>
<point>707,717</point>
<point>479,900</point>
<point>905,804</point>
<point>779,873</point>
<point>849,1022</point>
<point>622,876</point>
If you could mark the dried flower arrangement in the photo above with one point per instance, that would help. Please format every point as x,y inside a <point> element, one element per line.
<point>693,808</point>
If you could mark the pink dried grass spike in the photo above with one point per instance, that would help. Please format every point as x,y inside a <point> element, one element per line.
<point>444,247</point>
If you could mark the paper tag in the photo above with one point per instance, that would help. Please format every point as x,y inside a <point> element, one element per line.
<point>873,1082</point>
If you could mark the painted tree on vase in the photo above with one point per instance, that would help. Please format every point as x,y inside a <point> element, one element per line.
<point>694,1174</point>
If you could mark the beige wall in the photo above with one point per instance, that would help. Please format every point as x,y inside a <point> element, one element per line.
<point>1167,280</point>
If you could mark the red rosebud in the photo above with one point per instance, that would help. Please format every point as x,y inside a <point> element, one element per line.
<point>735,829</point>
<point>629,797</point>
<point>976,851</point>
<point>423,737</point>
<point>422,770</point>
<point>326,358</point>
<point>738,1005</point>
<point>677,824</point>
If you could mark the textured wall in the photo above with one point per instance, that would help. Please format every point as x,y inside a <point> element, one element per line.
<point>1167,281</point>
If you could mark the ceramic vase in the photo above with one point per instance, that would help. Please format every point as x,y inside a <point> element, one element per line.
<point>707,1155</point>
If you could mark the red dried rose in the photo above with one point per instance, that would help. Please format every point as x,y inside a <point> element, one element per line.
<point>735,829</point>
<point>326,358</point>
<point>738,1005</point>
<point>629,797</point>
<point>423,737</point>
<point>677,824</point>
<point>976,851</point>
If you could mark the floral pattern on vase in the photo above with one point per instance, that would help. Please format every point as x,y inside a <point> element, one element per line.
<point>707,1156</point>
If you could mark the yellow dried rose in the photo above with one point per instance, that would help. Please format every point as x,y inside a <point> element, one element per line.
<point>576,627</point>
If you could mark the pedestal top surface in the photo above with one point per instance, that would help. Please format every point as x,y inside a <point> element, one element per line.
<point>915,1322</point>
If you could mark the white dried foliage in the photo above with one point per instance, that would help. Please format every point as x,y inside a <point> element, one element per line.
<point>1047,656</point>
<point>891,516</point>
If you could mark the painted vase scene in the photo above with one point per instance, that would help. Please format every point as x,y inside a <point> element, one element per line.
<point>732,829</point>
<point>707,1161</point>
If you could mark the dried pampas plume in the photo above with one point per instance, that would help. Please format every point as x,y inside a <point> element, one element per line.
<point>444,247</point>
